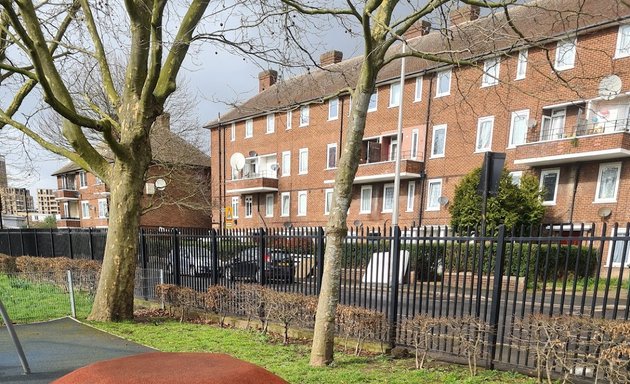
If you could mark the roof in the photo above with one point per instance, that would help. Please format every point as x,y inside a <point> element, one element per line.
<point>167,147</point>
<point>538,22</point>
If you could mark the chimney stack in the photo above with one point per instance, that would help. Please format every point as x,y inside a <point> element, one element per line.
<point>419,28</point>
<point>330,57</point>
<point>464,14</point>
<point>266,79</point>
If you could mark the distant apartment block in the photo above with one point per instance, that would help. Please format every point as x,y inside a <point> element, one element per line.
<point>16,201</point>
<point>47,203</point>
<point>3,173</point>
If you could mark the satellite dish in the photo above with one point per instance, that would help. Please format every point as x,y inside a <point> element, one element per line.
<point>357,223</point>
<point>443,200</point>
<point>604,212</point>
<point>609,87</point>
<point>252,154</point>
<point>274,167</point>
<point>531,123</point>
<point>237,161</point>
<point>287,224</point>
<point>160,184</point>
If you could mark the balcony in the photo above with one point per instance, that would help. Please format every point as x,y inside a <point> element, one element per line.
<point>587,141</point>
<point>251,182</point>
<point>69,222</point>
<point>66,194</point>
<point>381,169</point>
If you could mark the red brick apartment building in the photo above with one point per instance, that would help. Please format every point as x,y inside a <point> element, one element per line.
<point>536,98</point>
<point>176,193</point>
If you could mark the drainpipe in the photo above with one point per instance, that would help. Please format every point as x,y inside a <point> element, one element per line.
<point>575,172</point>
<point>423,175</point>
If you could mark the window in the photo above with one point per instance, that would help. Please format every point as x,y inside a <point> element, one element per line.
<point>388,197</point>
<point>235,203</point>
<point>490,72</point>
<point>233,132</point>
<point>85,209</point>
<point>549,185</point>
<point>521,64</point>
<point>366,199</point>
<point>286,163</point>
<point>443,83</point>
<point>565,54</point>
<point>303,161</point>
<point>484,134</point>
<point>623,41</point>
<point>249,128</point>
<point>394,94</point>
<point>411,194</point>
<point>289,119</point>
<point>331,156</point>
<point>248,206</point>
<point>619,250</point>
<point>438,143</point>
<point>269,205</point>
<point>328,193</point>
<point>285,204</point>
<point>83,179</point>
<point>418,92</point>
<point>333,109</point>
<point>271,123</point>
<point>553,125</point>
<point>393,149</point>
<point>414,143</point>
<point>103,211</point>
<point>435,191</point>
<point>516,177</point>
<point>67,182</point>
<point>518,128</point>
<point>373,105</point>
<point>301,208</point>
<point>304,116</point>
<point>608,182</point>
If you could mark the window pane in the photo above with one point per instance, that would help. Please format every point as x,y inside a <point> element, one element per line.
<point>366,199</point>
<point>519,128</point>
<point>439,136</point>
<point>549,181</point>
<point>269,206</point>
<point>394,97</point>
<point>608,183</point>
<point>333,108</point>
<point>435,191</point>
<point>373,102</point>
<point>388,198</point>
<point>332,156</point>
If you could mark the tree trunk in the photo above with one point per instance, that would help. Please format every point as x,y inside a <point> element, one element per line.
<point>114,297</point>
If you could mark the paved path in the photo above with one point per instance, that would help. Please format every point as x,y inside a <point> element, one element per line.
<point>57,347</point>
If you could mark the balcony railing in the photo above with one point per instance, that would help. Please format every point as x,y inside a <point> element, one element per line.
<point>256,175</point>
<point>585,128</point>
<point>405,155</point>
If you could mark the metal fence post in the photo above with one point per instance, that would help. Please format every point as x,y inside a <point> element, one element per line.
<point>176,260</point>
<point>161,283</point>
<point>70,244</point>
<point>495,308</point>
<point>145,264</point>
<point>73,307</point>
<point>52,243</point>
<point>21,241</point>
<point>90,241</point>
<point>16,341</point>
<point>393,294</point>
<point>319,268</point>
<point>261,261</point>
<point>10,246</point>
<point>36,243</point>
<point>214,256</point>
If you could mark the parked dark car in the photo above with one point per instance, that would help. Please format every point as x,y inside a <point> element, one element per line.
<point>193,261</point>
<point>245,266</point>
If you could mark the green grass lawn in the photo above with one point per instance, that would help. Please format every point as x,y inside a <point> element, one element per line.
<point>291,362</point>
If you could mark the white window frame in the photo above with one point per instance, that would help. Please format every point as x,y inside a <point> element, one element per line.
<point>233,132</point>
<point>521,64</point>
<point>436,206</point>
<point>333,108</point>
<point>415,137</point>
<point>491,72</point>
<point>285,169</point>
<point>269,202</point>
<point>271,123</point>
<point>328,147</point>
<point>395,95</point>
<point>480,123</point>
<point>103,210</point>
<point>235,203</point>
<point>285,206</point>
<point>602,167</point>
<point>621,232</point>
<point>249,128</point>
<point>439,77</point>
<point>433,147</point>
<point>373,97</point>
<point>393,148</point>
<point>303,161</point>
<point>557,114</point>
<point>249,206</point>
<point>362,200</point>
<point>305,117</point>
<point>302,202</point>
<point>564,47</point>
<point>85,209</point>
<point>385,188</point>
<point>83,179</point>
<point>411,195</point>
<point>328,193</point>
<point>550,171</point>
<point>289,119</point>
<point>623,51</point>
<point>417,96</point>
<point>524,113</point>
<point>516,177</point>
